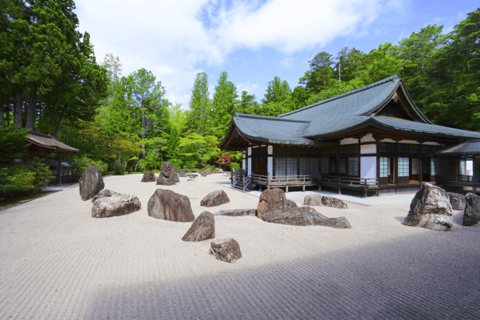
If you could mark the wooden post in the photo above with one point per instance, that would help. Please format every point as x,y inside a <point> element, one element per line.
<point>60,168</point>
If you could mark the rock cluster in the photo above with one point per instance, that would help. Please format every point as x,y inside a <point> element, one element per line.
<point>202,228</point>
<point>227,250</point>
<point>110,204</point>
<point>91,183</point>
<point>313,200</point>
<point>430,209</point>
<point>271,200</point>
<point>215,198</point>
<point>169,205</point>
<point>471,214</point>
<point>304,216</point>
<point>149,177</point>
<point>167,176</point>
<point>456,200</point>
<point>333,202</point>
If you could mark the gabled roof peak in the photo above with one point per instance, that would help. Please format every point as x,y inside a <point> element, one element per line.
<point>343,95</point>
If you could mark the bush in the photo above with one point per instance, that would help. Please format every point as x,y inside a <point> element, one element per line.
<point>235,165</point>
<point>80,164</point>
<point>20,180</point>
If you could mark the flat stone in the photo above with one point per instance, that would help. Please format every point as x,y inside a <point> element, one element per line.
<point>149,177</point>
<point>471,214</point>
<point>237,212</point>
<point>430,209</point>
<point>202,228</point>
<point>90,183</point>
<point>313,200</point>
<point>169,205</point>
<point>333,202</point>
<point>227,250</point>
<point>456,200</point>
<point>271,200</point>
<point>215,198</point>
<point>115,204</point>
<point>304,216</point>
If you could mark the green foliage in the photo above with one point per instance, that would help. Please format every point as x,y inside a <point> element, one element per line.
<point>19,180</point>
<point>277,98</point>
<point>80,164</point>
<point>198,116</point>
<point>223,106</point>
<point>12,143</point>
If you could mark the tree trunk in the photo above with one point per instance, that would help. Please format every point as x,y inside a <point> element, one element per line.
<point>31,110</point>
<point>17,113</point>
<point>57,127</point>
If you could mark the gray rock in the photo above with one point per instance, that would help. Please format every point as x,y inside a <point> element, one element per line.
<point>291,204</point>
<point>169,205</point>
<point>237,212</point>
<point>227,250</point>
<point>113,204</point>
<point>333,202</point>
<point>202,173</point>
<point>202,228</point>
<point>167,176</point>
<point>149,177</point>
<point>271,200</point>
<point>313,200</point>
<point>190,179</point>
<point>456,200</point>
<point>192,175</point>
<point>431,209</point>
<point>215,198</point>
<point>471,214</point>
<point>91,183</point>
<point>103,194</point>
<point>304,216</point>
<point>181,173</point>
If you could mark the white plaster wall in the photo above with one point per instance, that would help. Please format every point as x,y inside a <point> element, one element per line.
<point>469,170</point>
<point>368,148</point>
<point>368,167</point>
<point>368,138</point>
<point>249,170</point>
<point>415,162</point>
<point>270,149</point>
<point>409,141</point>
<point>249,151</point>
<point>270,166</point>
<point>349,141</point>
<point>244,164</point>
<point>388,140</point>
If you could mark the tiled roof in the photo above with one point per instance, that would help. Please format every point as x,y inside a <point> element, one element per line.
<point>48,142</point>
<point>271,129</point>
<point>470,147</point>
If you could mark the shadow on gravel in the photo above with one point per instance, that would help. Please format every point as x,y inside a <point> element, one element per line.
<point>434,275</point>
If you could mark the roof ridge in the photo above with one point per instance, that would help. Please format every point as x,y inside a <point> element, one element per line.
<point>39,134</point>
<point>354,91</point>
<point>244,115</point>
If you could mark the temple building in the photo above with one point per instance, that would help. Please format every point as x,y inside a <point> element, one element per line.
<point>372,139</point>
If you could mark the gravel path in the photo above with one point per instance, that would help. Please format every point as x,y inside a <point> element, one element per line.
<point>57,262</point>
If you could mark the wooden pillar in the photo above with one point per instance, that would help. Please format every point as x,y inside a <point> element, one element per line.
<point>60,169</point>
<point>474,173</point>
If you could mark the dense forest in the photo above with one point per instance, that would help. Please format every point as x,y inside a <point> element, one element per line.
<point>51,82</point>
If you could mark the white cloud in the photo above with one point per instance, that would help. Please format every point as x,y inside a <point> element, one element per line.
<point>170,39</point>
<point>251,88</point>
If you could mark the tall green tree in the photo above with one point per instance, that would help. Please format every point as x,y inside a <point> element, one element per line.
<point>223,105</point>
<point>277,98</point>
<point>198,116</point>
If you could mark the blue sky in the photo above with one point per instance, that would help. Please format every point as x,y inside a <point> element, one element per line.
<point>251,40</point>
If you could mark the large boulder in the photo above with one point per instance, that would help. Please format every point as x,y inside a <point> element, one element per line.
<point>91,183</point>
<point>215,198</point>
<point>304,216</point>
<point>169,205</point>
<point>149,177</point>
<point>110,204</point>
<point>202,228</point>
<point>237,212</point>
<point>333,202</point>
<point>227,250</point>
<point>471,214</point>
<point>313,200</point>
<point>430,209</point>
<point>167,176</point>
<point>456,200</point>
<point>271,200</point>
<point>182,173</point>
